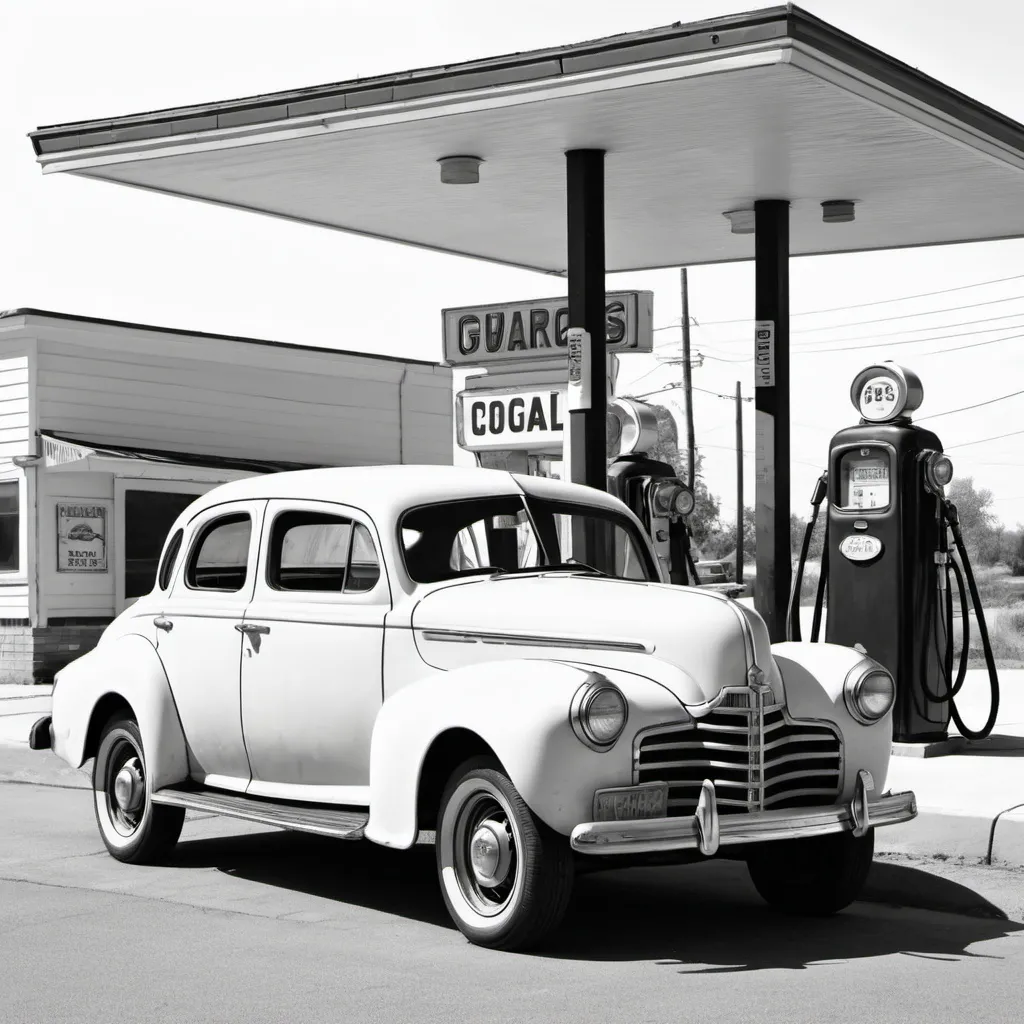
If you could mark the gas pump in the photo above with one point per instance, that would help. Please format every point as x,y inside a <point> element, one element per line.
<point>887,564</point>
<point>658,498</point>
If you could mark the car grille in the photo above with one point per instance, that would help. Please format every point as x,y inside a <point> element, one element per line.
<point>799,764</point>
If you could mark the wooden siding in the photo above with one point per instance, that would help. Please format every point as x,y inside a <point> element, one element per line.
<point>73,594</point>
<point>219,397</point>
<point>15,429</point>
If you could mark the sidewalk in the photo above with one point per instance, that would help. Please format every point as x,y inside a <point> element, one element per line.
<point>970,804</point>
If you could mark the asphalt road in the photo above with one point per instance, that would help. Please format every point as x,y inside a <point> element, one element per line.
<point>258,925</point>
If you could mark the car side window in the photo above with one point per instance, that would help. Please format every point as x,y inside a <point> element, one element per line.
<point>363,565</point>
<point>170,558</point>
<point>309,551</point>
<point>220,556</point>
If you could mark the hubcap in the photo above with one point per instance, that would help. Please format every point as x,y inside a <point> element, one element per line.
<point>124,788</point>
<point>128,788</point>
<point>479,838</point>
<point>490,853</point>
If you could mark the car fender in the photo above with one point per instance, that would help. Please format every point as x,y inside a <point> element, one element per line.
<point>127,668</point>
<point>814,674</point>
<point>521,710</point>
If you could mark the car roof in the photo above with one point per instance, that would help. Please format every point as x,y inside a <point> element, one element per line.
<point>386,491</point>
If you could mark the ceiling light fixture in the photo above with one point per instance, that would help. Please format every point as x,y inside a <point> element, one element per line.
<point>837,211</point>
<point>460,170</point>
<point>742,221</point>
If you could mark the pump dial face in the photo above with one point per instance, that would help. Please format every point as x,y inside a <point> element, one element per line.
<point>880,399</point>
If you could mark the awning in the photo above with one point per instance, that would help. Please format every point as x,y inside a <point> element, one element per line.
<point>65,451</point>
<point>697,120</point>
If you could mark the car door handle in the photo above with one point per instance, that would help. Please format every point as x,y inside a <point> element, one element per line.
<point>251,627</point>
<point>161,622</point>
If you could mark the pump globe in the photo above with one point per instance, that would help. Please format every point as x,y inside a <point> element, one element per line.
<point>870,692</point>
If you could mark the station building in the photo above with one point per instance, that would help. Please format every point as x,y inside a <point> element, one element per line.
<point>109,429</point>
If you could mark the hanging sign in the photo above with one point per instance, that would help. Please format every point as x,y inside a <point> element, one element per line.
<point>81,537</point>
<point>510,419</point>
<point>511,332</point>
<point>764,354</point>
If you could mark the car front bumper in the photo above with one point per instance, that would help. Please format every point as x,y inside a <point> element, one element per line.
<point>706,830</point>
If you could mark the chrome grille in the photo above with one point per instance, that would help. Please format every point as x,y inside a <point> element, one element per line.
<point>756,757</point>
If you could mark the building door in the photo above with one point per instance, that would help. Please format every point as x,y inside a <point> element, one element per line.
<point>145,512</point>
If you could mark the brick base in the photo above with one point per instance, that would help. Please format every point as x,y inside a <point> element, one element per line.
<point>33,655</point>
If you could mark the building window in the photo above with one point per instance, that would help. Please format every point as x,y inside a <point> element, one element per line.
<point>10,526</point>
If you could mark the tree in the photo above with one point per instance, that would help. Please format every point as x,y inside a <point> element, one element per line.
<point>977,520</point>
<point>721,543</point>
<point>974,506</point>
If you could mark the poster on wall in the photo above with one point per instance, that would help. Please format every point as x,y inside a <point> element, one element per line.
<point>81,537</point>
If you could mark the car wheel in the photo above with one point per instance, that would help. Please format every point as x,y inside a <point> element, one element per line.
<point>814,877</point>
<point>134,829</point>
<point>505,876</point>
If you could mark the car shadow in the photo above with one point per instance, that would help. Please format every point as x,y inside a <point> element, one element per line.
<point>703,918</point>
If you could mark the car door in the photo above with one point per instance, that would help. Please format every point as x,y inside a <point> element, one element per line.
<point>200,645</point>
<point>312,680</point>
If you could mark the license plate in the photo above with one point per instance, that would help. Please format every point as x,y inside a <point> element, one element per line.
<point>632,803</point>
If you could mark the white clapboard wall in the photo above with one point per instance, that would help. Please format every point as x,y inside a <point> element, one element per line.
<point>138,386</point>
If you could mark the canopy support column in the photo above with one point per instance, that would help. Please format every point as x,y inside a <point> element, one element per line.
<point>588,444</point>
<point>771,403</point>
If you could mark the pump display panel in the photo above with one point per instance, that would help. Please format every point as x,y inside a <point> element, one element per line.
<point>864,479</point>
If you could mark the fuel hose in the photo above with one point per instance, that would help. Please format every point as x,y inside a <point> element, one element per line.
<point>952,519</point>
<point>793,612</point>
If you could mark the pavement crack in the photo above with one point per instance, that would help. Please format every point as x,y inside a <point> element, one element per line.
<point>142,897</point>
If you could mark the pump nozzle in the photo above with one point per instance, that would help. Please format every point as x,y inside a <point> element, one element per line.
<point>820,490</point>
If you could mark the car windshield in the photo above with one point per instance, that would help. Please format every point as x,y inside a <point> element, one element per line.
<point>510,533</point>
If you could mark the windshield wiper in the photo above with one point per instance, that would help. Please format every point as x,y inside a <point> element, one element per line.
<point>568,564</point>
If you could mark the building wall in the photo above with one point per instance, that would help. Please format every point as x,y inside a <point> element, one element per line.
<point>136,387</point>
<point>219,397</point>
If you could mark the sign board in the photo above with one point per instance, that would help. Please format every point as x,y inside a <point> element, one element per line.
<point>82,534</point>
<point>510,419</point>
<point>578,345</point>
<point>511,332</point>
<point>764,353</point>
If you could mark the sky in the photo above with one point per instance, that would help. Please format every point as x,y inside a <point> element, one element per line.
<point>96,249</point>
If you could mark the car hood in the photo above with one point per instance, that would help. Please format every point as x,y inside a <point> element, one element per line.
<point>709,641</point>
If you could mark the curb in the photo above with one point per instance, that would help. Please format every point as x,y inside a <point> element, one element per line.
<point>944,834</point>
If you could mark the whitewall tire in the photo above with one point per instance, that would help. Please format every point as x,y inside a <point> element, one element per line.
<point>133,828</point>
<point>505,876</point>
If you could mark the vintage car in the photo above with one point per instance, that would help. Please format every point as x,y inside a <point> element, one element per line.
<point>412,653</point>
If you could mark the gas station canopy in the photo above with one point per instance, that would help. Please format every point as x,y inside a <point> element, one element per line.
<point>696,120</point>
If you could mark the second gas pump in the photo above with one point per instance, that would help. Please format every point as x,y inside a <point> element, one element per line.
<point>892,556</point>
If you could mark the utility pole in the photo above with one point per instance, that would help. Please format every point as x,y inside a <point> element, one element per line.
<point>688,382</point>
<point>739,483</point>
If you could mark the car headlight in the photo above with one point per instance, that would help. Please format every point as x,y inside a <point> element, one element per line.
<point>869,692</point>
<point>598,712</point>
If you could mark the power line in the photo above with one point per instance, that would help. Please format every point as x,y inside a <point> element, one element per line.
<point>961,348</point>
<point>879,302</point>
<point>977,405</point>
<point>983,440</point>
<point>840,342</point>
<point>910,316</point>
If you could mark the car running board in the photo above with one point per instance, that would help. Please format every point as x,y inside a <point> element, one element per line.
<point>299,817</point>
